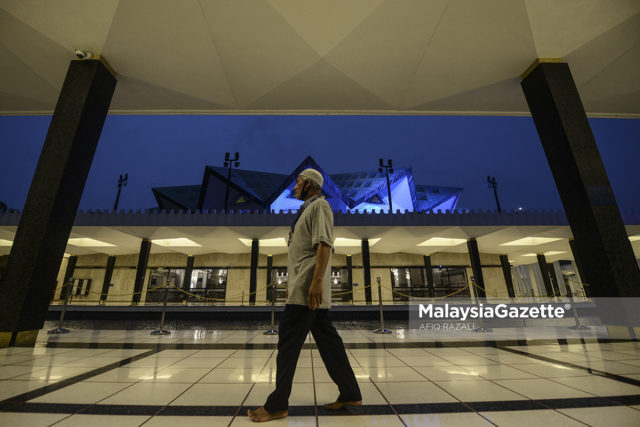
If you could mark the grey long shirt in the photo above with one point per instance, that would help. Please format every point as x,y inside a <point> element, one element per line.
<point>314,226</point>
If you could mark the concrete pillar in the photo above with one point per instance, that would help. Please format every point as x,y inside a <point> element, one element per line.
<point>544,271</point>
<point>555,285</point>
<point>53,199</point>
<point>253,277</point>
<point>366,267</point>
<point>108,273</point>
<point>557,268</point>
<point>506,271</point>
<point>270,290</point>
<point>476,267</point>
<point>428,271</point>
<point>141,271</point>
<point>186,283</point>
<point>601,242</point>
<point>350,274</point>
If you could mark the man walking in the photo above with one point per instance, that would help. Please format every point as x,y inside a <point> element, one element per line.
<point>307,308</point>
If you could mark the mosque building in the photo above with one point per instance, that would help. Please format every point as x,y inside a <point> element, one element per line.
<point>427,247</point>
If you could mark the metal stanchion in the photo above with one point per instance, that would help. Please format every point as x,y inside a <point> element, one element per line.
<point>273,330</point>
<point>67,299</point>
<point>162,330</point>
<point>482,328</point>
<point>242,302</point>
<point>573,305</point>
<point>382,329</point>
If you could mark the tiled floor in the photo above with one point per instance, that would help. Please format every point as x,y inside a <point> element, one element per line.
<point>209,378</point>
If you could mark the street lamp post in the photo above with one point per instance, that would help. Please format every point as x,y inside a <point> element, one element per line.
<point>229,163</point>
<point>388,169</point>
<point>491,180</point>
<point>122,182</point>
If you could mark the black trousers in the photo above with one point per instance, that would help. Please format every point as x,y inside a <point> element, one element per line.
<point>297,321</point>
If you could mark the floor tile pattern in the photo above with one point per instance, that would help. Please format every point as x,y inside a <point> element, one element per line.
<point>211,377</point>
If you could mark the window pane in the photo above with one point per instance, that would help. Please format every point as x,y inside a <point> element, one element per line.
<point>279,278</point>
<point>164,282</point>
<point>340,289</point>
<point>408,282</point>
<point>411,282</point>
<point>447,280</point>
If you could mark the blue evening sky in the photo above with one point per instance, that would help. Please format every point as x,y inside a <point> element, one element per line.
<point>457,151</point>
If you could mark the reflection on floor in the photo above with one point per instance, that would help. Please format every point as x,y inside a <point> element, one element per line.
<point>210,377</point>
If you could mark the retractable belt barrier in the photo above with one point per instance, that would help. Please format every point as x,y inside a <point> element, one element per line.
<point>161,330</point>
<point>273,331</point>
<point>482,327</point>
<point>429,298</point>
<point>240,297</point>
<point>60,329</point>
<point>382,329</point>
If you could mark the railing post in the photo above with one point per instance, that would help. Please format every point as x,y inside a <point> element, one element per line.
<point>273,330</point>
<point>162,330</point>
<point>67,300</point>
<point>482,328</point>
<point>382,329</point>
<point>573,306</point>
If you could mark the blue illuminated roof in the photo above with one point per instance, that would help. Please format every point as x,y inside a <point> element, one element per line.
<point>429,196</point>
<point>365,186</point>
<point>343,190</point>
<point>334,194</point>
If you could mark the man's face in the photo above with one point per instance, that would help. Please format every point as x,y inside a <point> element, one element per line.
<point>301,183</point>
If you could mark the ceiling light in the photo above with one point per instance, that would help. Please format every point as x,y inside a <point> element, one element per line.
<point>442,241</point>
<point>531,241</point>
<point>343,241</point>
<point>268,243</point>
<point>277,242</point>
<point>85,241</point>
<point>5,242</point>
<point>180,242</point>
<point>550,253</point>
<point>632,238</point>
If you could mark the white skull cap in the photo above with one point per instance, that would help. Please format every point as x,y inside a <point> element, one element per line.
<point>313,175</point>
